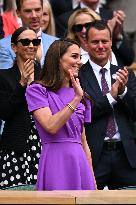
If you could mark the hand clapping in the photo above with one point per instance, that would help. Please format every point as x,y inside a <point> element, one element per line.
<point>121,80</point>
<point>27,74</point>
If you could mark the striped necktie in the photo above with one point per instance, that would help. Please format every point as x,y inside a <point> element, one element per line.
<point>111,128</point>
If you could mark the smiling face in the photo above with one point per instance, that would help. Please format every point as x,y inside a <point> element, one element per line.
<point>71,61</point>
<point>82,19</point>
<point>45,17</point>
<point>99,45</point>
<point>31,14</point>
<point>25,52</point>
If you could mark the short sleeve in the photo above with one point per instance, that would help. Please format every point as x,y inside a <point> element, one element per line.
<point>36,97</point>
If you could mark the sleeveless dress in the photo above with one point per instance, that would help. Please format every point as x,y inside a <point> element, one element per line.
<point>63,164</point>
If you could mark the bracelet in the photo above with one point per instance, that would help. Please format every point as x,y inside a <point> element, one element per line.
<point>71,107</point>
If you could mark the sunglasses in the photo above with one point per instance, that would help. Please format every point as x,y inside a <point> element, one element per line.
<point>26,41</point>
<point>79,27</point>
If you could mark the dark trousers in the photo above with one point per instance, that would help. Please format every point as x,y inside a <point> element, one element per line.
<point>113,169</point>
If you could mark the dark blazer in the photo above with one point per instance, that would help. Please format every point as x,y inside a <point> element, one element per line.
<point>60,6</point>
<point>124,53</point>
<point>13,110</point>
<point>125,114</point>
<point>61,23</point>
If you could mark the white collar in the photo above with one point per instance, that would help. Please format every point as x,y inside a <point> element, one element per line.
<point>39,33</point>
<point>82,5</point>
<point>97,67</point>
<point>83,51</point>
<point>75,4</point>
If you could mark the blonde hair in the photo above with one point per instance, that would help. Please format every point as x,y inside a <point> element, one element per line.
<point>51,26</point>
<point>70,33</point>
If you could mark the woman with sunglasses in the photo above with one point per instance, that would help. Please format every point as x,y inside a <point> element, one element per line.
<point>77,25</point>
<point>19,145</point>
<point>59,113</point>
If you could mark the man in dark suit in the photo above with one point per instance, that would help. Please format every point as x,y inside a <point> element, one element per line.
<point>120,40</point>
<point>113,92</point>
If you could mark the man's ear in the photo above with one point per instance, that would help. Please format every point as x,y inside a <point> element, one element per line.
<point>14,47</point>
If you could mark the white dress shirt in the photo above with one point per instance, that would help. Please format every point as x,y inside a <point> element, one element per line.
<point>96,68</point>
<point>85,57</point>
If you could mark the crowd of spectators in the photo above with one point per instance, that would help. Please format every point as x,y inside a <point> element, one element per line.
<point>43,45</point>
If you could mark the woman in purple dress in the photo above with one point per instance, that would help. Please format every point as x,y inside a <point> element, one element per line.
<point>56,104</point>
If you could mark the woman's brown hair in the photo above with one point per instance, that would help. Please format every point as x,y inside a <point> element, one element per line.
<point>52,75</point>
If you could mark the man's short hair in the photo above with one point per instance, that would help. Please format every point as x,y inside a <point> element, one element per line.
<point>99,25</point>
<point>19,3</point>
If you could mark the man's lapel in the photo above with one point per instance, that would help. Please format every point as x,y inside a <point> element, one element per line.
<point>92,80</point>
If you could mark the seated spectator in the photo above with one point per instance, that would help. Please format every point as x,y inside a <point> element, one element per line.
<point>48,24</point>
<point>20,144</point>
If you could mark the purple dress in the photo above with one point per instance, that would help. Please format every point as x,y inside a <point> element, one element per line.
<point>63,164</point>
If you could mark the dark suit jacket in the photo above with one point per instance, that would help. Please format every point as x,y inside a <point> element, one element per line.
<point>125,114</point>
<point>60,6</point>
<point>124,53</point>
<point>13,110</point>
